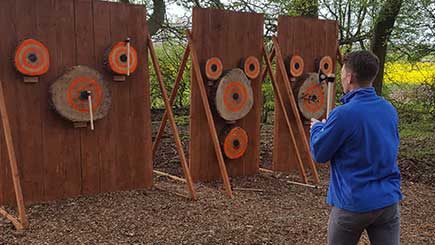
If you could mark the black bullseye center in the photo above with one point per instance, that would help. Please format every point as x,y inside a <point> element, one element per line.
<point>32,57</point>
<point>236,96</point>
<point>123,58</point>
<point>252,67</point>
<point>84,94</point>
<point>236,143</point>
<point>326,66</point>
<point>297,66</point>
<point>214,68</point>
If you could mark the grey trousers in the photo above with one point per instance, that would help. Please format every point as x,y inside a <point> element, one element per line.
<point>382,225</point>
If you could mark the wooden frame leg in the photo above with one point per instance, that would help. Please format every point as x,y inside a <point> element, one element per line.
<point>171,99</point>
<point>174,128</point>
<point>212,127</point>
<point>300,127</point>
<point>277,92</point>
<point>22,222</point>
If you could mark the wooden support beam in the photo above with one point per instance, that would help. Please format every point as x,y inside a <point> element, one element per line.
<point>171,100</point>
<point>174,128</point>
<point>299,126</point>
<point>169,176</point>
<point>22,222</point>
<point>277,92</point>
<point>211,124</point>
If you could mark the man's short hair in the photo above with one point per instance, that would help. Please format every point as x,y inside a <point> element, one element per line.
<point>364,66</point>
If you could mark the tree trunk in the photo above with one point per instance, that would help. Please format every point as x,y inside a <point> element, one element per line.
<point>381,33</point>
<point>157,18</point>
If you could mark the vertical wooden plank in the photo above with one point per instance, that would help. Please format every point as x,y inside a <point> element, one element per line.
<point>120,105</point>
<point>85,55</point>
<point>104,129</point>
<point>141,172</point>
<point>10,80</point>
<point>231,36</point>
<point>61,141</point>
<point>29,121</point>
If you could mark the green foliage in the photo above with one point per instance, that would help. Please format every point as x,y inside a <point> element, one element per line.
<point>170,56</point>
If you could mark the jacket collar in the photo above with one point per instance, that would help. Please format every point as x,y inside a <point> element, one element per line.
<point>360,92</point>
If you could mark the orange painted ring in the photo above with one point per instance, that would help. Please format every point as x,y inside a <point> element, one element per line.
<point>251,67</point>
<point>326,65</point>
<point>82,84</point>
<point>235,96</point>
<point>118,59</point>
<point>296,66</point>
<point>235,143</point>
<point>32,58</point>
<point>315,98</point>
<point>213,68</point>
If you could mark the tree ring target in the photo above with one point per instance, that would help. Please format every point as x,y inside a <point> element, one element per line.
<point>234,95</point>
<point>325,65</point>
<point>251,66</point>
<point>312,97</point>
<point>296,66</point>
<point>69,94</point>
<point>234,142</point>
<point>31,58</point>
<point>213,68</point>
<point>117,58</point>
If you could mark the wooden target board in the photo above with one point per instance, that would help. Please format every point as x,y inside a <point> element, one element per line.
<point>55,159</point>
<point>310,40</point>
<point>232,38</point>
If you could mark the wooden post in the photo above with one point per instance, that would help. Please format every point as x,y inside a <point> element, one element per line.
<point>211,124</point>
<point>300,127</point>
<point>23,222</point>
<point>171,99</point>
<point>286,116</point>
<point>168,106</point>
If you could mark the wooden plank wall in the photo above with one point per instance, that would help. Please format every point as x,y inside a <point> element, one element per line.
<point>56,160</point>
<point>310,38</point>
<point>230,36</point>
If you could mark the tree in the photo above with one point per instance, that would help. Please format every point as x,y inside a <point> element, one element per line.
<point>381,33</point>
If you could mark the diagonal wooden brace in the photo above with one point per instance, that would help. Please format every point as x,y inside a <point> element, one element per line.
<point>305,147</point>
<point>277,92</point>
<point>174,128</point>
<point>21,223</point>
<point>210,120</point>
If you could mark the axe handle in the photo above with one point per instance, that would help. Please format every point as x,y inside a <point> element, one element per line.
<point>330,98</point>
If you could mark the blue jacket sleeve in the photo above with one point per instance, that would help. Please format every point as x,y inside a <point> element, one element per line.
<point>327,138</point>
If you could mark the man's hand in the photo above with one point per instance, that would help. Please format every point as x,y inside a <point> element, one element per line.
<point>314,121</point>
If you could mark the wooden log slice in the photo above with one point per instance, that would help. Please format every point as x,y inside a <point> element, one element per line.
<point>311,96</point>
<point>69,94</point>
<point>234,96</point>
<point>31,58</point>
<point>326,65</point>
<point>116,59</point>
<point>234,141</point>
<point>295,66</point>
<point>251,66</point>
<point>213,68</point>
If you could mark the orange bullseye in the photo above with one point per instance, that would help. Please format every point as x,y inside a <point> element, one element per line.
<point>118,57</point>
<point>251,67</point>
<point>296,66</point>
<point>32,58</point>
<point>213,68</point>
<point>235,143</point>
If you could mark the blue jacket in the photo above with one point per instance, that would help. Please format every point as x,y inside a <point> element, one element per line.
<point>361,140</point>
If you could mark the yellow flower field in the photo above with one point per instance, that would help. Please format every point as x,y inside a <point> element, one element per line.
<point>409,73</point>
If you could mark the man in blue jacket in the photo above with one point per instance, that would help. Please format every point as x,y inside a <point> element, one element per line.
<point>361,141</point>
